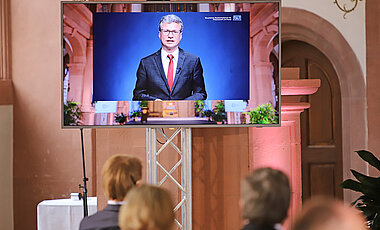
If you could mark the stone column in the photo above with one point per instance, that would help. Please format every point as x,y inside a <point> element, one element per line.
<point>76,81</point>
<point>88,110</point>
<point>263,30</point>
<point>261,90</point>
<point>280,147</point>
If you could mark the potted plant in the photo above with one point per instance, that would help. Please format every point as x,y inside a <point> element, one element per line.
<point>198,106</point>
<point>72,113</point>
<point>135,114</point>
<point>208,113</point>
<point>219,113</point>
<point>120,118</point>
<point>263,114</point>
<point>143,104</point>
<point>369,201</point>
<point>144,111</point>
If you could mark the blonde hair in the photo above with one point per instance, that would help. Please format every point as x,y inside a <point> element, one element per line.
<point>119,174</point>
<point>266,196</point>
<point>147,208</point>
<point>328,214</point>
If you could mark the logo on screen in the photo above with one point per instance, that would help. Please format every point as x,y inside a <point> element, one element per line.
<point>236,18</point>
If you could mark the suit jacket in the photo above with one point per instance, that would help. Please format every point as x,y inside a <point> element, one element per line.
<point>151,83</point>
<point>106,219</point>
<point>253,226</point>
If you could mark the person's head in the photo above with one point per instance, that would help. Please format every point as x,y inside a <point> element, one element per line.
<point>147,207</point>
<point>265,196</point>
<point>170,32</point>
<point>328,214</point>
<point>120,173</point>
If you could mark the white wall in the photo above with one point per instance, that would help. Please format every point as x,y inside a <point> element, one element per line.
<point>352,27</point>
<point>6,174</point>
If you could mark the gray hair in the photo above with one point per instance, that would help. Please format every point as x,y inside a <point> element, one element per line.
<point>266,196</point>
<point>169,18</point>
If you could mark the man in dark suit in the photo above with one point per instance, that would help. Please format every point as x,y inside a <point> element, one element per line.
<point>171,73</point>
<point>120,174</point>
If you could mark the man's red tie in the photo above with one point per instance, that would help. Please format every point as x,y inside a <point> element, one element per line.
<point>170,72</point>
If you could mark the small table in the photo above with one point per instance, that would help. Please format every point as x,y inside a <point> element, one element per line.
<point>63,214</point>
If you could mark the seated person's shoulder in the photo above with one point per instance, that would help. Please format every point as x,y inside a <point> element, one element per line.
<point>101,220</point>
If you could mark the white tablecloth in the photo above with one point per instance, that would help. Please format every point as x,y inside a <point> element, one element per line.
<point>63,214</point>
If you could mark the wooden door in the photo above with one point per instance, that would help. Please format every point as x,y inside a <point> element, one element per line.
<point>321,125</point>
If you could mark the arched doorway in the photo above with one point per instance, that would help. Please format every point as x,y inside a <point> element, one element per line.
<point>298,24</point>
<point>321,125</point>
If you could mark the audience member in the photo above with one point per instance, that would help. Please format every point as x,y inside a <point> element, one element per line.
<point>327,214</point>
<point>265,198</point>
<point>147,208</point>
<point>120,174</point>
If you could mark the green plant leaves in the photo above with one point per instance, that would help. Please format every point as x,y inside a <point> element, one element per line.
<point>199,105</point>
<point>207,113</point>
<point>135,113</point>
<point>219,112</point>
<point>143,104</point>
<point>120,118</point>
<point>72,113</point>
<point>367,180</point>
<point>369,202</point>
<point>263,114</point>
<point>351,184</point>
<point>370,158</point>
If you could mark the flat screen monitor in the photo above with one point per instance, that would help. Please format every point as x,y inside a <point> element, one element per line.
<point>166,64</point>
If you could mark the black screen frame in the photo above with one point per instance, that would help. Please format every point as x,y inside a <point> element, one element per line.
<point>147,125</point>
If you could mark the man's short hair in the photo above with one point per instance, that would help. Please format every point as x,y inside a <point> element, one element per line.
<point>148,207</point>
<point>266,196</point>
<point>169,18</point>
<point>325,213</point>
<point>119,174</point>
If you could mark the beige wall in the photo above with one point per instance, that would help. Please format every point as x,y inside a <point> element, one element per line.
<point>6,173</point>
<point>47,160</point>
<point>352,28</point>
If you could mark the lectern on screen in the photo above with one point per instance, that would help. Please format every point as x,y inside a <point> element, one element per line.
<point>165,64</point>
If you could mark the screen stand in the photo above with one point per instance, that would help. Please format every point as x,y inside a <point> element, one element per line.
<point>153,165</point>
<point>85,179</point>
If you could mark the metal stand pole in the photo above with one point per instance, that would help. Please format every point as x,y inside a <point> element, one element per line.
<point>85,179</point>
<point>185,184</point>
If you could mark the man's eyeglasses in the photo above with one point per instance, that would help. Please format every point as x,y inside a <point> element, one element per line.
<point>167,32</point>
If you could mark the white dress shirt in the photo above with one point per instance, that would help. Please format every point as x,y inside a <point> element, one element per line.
<point>114,202</point>
<point>165,61</point>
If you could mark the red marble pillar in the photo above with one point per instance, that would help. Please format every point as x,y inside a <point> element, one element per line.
<point>280,147</point>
